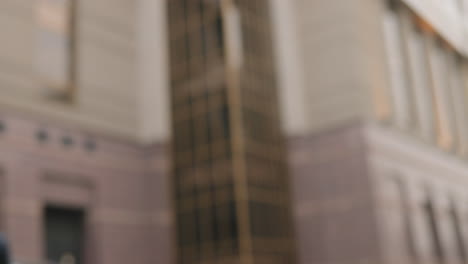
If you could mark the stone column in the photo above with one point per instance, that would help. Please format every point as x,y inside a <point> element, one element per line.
<point>23,211</point>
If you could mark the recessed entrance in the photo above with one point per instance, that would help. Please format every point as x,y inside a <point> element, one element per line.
<point>64,235</point>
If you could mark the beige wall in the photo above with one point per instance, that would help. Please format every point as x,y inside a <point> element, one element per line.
<point>328,61</point>
<point>154,101</point>
<point>338,67</point>
<point>331,58</point>
<point>121,67</point>
<point>289,67</point>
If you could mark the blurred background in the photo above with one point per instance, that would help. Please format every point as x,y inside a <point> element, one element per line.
<point>234,131</point>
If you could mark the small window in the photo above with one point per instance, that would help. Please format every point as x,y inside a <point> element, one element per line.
<point>55,46</point>
<point>407,218</point>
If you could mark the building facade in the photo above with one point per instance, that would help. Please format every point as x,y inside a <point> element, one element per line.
<point>377,149</point>
<point>234,131</point>
<point>80,163</point>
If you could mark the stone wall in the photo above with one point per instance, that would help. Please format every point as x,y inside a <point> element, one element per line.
<point>334,205</point>
<point>106,65</point>
<point>121,186</point>
<point>408,175</point>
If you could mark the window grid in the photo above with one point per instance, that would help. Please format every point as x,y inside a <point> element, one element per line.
<point>205,180</point>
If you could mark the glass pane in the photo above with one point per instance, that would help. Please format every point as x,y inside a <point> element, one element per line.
<point>53,42</point>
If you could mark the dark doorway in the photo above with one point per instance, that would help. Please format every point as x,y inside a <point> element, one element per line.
<point>64,233</point>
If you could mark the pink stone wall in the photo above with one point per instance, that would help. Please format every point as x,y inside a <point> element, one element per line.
<point>122,187</point>
<point>333,202</point>
<point>2,200</point>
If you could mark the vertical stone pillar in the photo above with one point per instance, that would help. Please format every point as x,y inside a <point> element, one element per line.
<point>23,211</point>
<point>392,214</point>
<point>446,228</point>
<point>419,223</point>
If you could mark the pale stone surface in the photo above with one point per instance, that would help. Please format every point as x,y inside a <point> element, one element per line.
<point>120,91</point>
<point>122,187</point>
